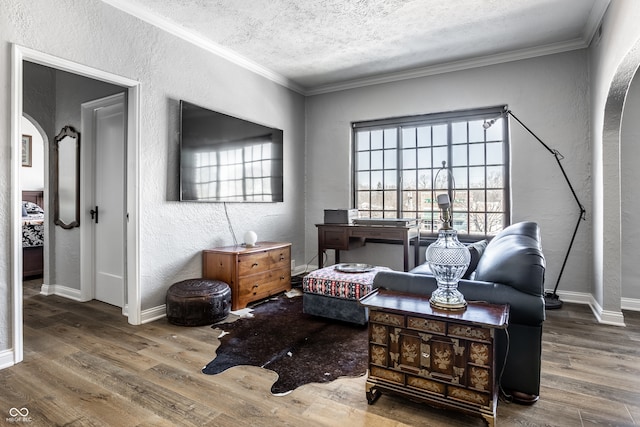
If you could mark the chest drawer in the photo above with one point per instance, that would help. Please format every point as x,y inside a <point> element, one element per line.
<point>262,285</point>
<point>263,261</point>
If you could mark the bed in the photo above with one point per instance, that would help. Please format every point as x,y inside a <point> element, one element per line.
<point>32,233</point>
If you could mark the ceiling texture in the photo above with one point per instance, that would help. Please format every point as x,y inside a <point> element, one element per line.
<point>319,46</point>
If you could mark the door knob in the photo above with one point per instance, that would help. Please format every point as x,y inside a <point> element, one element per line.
<point>94,214</point>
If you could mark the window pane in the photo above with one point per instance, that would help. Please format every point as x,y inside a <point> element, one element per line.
<point>495,156</point>
<point>459,155</point>
<point>494,201</point>
<point>376,160</point>
<point>424,179</point>
<point>440,135</point>
<point>408,201</point>
<point>390,158</point>
<point>459,221</point>
<point>460,200</point>
<point>477,223</point>
<point>476,201</point>
<point>424,136</point>
<point>390,201</point>
<point>460,178</point>
<point>390,138</point>
<point>362,141</point>
<point>376,139</point>
<point>476,177</point>
<point>363,200</point>
<point>476,131</point>
<point>408,137</point>
<point>376,180</point>
<point>363,161</point>
<point>409,159</point>
<point>439,156</point>
<point>424,201</point>
<point>390,179</point>
<point>364,183</point>
<point>494,133</point>
<point>409,180</point>
<point>495,178</point>
<point>458,132</point>
<point>424,158</point>
<point>376,200</point>
<point>476,154</point>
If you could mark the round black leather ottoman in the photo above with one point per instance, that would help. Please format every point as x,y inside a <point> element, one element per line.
<point>198,302</point>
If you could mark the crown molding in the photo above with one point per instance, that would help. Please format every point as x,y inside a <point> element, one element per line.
<point>204,43</point>
<point>452,66</point>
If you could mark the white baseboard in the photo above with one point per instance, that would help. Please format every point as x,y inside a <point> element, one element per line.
<point>63,291</point>
<point>7,358</point>
<point>606,317</point>
<point>154,313</point>
<point>632,304</point>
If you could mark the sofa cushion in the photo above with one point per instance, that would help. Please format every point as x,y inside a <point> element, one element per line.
<point>514,258</point>
<point>476,250</point>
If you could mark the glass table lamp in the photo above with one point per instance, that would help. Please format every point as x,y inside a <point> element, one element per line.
<point>448,260</point>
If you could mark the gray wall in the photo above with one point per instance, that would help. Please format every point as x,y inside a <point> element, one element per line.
<point>549,94</point>
<point>172,234</point>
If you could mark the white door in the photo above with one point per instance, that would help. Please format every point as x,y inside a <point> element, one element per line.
<point>108,210</point>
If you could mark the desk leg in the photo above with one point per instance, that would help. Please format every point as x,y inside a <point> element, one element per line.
<point>406,253</point>
<point>417,250</point>
<point>337,256</point>
<point>320,255</point>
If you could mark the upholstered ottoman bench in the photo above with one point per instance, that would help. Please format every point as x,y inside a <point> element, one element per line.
<point>198,302</point>
<point>334,291</point>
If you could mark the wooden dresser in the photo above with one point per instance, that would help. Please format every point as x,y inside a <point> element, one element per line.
<point>253,273</point>
<point>444,358</point>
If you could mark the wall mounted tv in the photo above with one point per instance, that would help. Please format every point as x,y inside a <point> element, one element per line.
<point>227,159</point>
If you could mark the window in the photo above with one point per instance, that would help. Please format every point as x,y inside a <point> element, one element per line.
<point>402,164</point>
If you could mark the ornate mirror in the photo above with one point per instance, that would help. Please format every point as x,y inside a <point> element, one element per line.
<point>66,178</point>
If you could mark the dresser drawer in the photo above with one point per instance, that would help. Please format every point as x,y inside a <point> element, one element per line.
<point>262,285</point>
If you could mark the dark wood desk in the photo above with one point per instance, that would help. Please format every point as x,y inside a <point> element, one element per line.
<point>342,237</point>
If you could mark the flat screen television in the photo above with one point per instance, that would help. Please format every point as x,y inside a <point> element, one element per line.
<point>228,159</point>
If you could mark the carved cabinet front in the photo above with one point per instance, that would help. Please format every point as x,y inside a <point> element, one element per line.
<point>433,356</point>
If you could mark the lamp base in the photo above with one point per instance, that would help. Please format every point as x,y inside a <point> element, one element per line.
<point>552,301</point>
<point>447,298</point>
<point>444,306</point>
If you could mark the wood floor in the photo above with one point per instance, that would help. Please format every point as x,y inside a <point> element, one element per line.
<point>85,366</point>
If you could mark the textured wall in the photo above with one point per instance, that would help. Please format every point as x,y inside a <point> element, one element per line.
<point>172,234</point>
<point>613,62</point>
<point>630,174</point>
<point>549,94</point>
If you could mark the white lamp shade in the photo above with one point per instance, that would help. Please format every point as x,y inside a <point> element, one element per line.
<point>250,238</point>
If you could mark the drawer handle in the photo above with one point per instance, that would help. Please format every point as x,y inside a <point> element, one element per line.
<point>281,277</point>
<point>281,257</point>
<point>255,286</point>
<point>255,264</point>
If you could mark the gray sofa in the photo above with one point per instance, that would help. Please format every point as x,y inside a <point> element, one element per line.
<point>509,271</point>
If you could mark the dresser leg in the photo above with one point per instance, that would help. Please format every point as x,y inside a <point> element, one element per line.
<point>372,393</point>
<point>491,420</point>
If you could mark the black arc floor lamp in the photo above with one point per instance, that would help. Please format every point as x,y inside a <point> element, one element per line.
<point>551,299</point>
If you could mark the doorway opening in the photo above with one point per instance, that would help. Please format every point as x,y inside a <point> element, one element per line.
<point>20,57</point>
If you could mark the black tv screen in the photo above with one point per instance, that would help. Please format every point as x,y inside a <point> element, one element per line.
<point>227,159</point>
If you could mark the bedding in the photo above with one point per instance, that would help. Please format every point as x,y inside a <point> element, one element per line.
<point>33,230</point>
<point>32,233</point>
